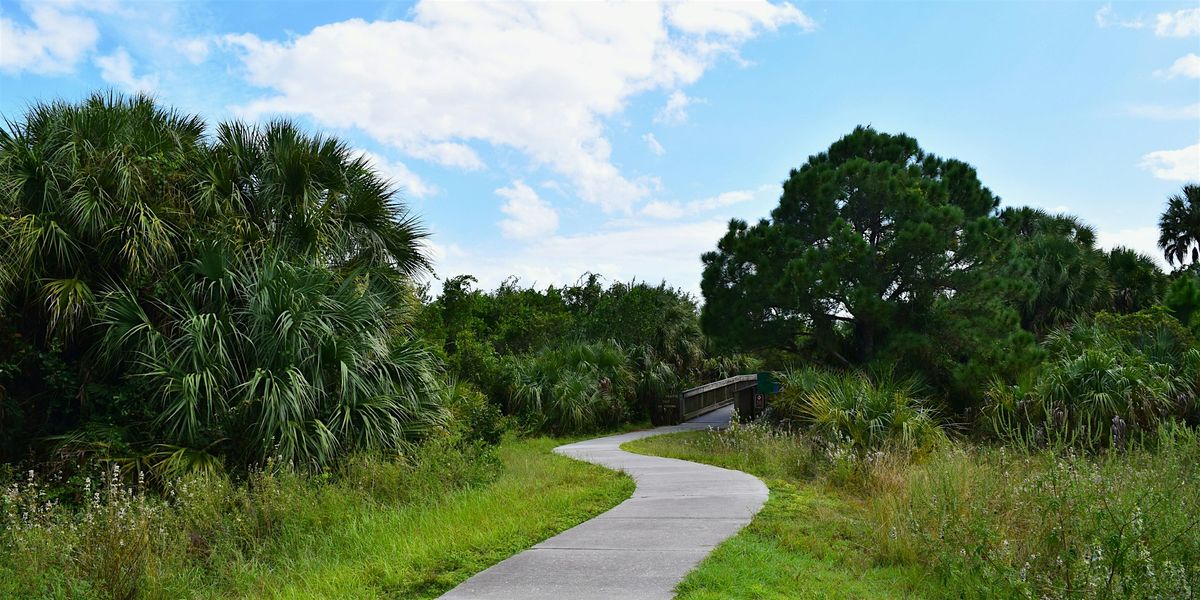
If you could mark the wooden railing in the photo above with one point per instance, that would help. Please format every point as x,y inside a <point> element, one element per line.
<point>711,396</point>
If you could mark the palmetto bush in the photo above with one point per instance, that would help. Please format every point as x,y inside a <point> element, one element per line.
<point>250,290</point>
<point>867,413</point>
<point>573,388</point>
<point>1107,381</point>
<point>288,361</point>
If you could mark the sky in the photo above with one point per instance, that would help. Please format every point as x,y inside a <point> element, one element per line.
<point>546,140</point>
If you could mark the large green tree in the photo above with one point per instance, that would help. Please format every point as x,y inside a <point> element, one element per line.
<point>877,251</point>
<point>1179,227</point>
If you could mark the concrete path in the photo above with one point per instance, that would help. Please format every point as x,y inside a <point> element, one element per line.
<point>645,545</point>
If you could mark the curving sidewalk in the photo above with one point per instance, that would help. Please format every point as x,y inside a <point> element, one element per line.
<point>642,547</point>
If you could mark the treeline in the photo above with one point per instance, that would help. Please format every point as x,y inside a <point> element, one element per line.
<point>179,298</point>
<point>575,357</point>
<point>882,258</point>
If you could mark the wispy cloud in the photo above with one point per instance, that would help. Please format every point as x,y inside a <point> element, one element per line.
<point>529,216</point>
<point>1167,113</point>
<point>652,143</point>
<point>117,69</point>
<point>1174,165</point>
<point>1181,23</point>
<point>55,42</point>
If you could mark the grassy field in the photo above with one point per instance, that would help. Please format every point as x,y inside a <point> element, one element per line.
<point>369,534</point>
<point>964,521</point>
<point>423,550</point>
<point>807,542</point>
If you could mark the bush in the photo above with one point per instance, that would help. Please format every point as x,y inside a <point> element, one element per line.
<point>1106,382</point>
<point>473,418</point>
<point>865,413</point>
<point>578,387</point>
<point>990,523</point>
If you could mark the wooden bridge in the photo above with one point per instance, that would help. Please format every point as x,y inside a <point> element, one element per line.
<point>747,393</point>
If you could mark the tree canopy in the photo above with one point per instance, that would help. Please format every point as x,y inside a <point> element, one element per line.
<point>874,249</point>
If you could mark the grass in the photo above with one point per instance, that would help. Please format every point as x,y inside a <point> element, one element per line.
<point>963,521</point>
<point>808,540</point>
<point>292,536</point>
<point>424,550</point>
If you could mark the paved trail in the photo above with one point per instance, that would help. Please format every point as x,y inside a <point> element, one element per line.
<point>645,545</point>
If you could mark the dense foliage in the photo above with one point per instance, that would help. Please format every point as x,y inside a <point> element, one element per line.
<point>878,253</point>
<point>882,256</point>
<point>178,300</point>
<point>576,357</point>
<point>1105,382</point>
<point>1179,227</point>
<point>857,411</point>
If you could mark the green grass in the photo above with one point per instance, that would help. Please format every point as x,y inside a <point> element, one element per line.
<point>380,529</point>
<point>963,521</point>
<point>420,551</point>
<point>808,540</point>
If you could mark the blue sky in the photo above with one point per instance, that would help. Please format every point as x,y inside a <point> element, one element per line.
<point>545,140</point>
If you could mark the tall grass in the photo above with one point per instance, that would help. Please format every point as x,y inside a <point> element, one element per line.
<point>990,523</point>
<point>410,526</point>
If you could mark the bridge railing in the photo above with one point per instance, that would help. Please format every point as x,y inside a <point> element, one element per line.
<point>711,396</point>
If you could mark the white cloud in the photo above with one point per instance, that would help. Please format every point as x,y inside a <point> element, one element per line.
<point>195,49</point>
<point>54,43</point>
<point>1187,66</point>
<point>733,20</point>
<point>1174,165</point>
<point>410,183</point>
<point>1107,17</point>
<point>675,210</point>
<point>652,143</point>
<point>674,111</point>
<point>117,69</point>
<point>1141,239</point>
<point>537,77</point>
<point>529,216</point>
<point>663,210</point>
<point>669,252</point>
<point>1181,23</point>
<point>1167,113</point>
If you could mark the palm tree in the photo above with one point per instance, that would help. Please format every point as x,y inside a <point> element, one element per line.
<point>1179,226</point>
<point>90,194</point>
<point>1057,256</point>
<point>254,289</point>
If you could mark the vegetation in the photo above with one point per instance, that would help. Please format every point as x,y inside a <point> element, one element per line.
<point>214,342</point>
<point>867,414</point>
<point>188,301</point>
<point>1179,227</point>
<point>410,529</point>
<point>968,522</point>
<point>574,358</point>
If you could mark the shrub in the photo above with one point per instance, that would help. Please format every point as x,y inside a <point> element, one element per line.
<point>1107,381</point>
<point>865,413</point>
<point>577,387</point>
<point>473,418</point>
